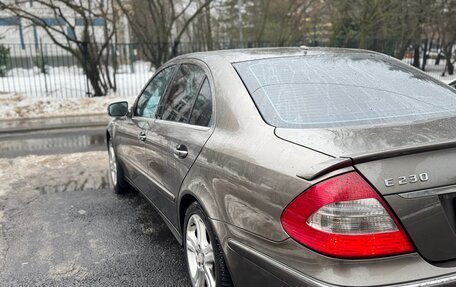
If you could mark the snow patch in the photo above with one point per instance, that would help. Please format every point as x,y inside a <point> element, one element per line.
<point>23,178</point>
<point>17,106</point>
<point>71,82</point>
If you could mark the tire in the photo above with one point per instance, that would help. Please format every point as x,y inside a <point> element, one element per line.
<point>116,174</point>
<point>203,268</point>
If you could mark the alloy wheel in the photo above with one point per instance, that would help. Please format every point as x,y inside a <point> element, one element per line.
<point>200,253</point>
<point>112,164</point>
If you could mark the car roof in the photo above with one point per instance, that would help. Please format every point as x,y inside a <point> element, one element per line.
<point>242,55</point>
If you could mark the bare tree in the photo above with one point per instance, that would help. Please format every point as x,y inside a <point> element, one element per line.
<point>269,22</point>
<point>200,30</point>
<point>389,26</point>
<point>447,31</point>
<point>73,30</point>
<point>159,25</point>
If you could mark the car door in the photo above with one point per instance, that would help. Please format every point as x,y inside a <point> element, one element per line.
<point>183,125</point>
<point>133,132</point>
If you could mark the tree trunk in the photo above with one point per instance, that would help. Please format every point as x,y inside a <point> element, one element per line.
<point>448,50</point>
<point>210,45</point>
<point>450,67</point>
<point>93,74</point>
<point>362,43</point>
<point>92,71</point>
<point>423,66</point>
<point>416,55</point>
<point>437,60</point>
<point>175,47</point>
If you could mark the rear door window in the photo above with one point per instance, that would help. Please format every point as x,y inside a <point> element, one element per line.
<point>336,90</point>
<point>183,92</point>
<point>202,109</point>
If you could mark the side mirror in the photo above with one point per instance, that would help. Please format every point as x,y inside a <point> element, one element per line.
<point>118,109</point>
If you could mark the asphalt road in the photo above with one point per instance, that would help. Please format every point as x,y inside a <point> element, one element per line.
<point>75,236</point>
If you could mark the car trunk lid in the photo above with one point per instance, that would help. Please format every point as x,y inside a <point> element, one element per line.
<point>412,166</point>
<point>421,189</point>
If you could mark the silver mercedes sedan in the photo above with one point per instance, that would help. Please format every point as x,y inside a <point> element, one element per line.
<point>296,167</point>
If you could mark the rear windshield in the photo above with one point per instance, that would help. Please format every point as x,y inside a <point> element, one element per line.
<point>343,90</point>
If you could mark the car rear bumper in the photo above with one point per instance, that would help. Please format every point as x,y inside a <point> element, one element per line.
<point>290,277</point>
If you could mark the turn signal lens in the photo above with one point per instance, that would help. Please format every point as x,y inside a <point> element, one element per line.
<point>344,217</point>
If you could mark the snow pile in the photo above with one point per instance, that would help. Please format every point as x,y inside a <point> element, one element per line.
<point>18,106</point>
<point>64,173</point>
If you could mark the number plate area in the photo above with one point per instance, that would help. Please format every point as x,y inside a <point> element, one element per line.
<point>429,217</point>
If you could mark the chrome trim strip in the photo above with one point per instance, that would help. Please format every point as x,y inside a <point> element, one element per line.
<point>286,273</point>
<point>429,192</point>
<point>439,281</point>
<point>187,125</point>
<point>163,190</point>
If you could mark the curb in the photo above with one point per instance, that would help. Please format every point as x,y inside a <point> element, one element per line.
<point>52,127</point>
<point>53,117</point>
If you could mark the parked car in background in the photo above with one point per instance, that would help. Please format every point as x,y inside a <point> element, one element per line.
<point>296,167</point>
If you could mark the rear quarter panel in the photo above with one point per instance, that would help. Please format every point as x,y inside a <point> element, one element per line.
<point>245,175</point>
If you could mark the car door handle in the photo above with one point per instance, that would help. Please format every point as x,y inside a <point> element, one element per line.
<point>142,136</point>
<point>181,151</point>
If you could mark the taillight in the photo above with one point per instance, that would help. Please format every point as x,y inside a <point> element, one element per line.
<point>344,217</point>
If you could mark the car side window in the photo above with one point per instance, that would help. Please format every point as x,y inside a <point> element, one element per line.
<point>202,110</point>
<point>182,93</point>
<point>149,99</point>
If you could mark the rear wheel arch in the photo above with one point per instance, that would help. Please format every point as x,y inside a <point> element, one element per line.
<point>185,202</point>
<point>197,188</point>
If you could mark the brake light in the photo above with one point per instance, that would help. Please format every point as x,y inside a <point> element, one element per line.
<point>344,217</point>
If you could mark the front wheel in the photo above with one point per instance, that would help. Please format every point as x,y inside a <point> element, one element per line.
<point>203,253</point>
<point>115,171</point>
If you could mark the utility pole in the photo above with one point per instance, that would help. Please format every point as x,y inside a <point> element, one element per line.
<point>241,32</point>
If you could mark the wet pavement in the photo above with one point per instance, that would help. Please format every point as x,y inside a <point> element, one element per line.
<point>52,142</point>
<point>62,225</point>
<point>40,124</point>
